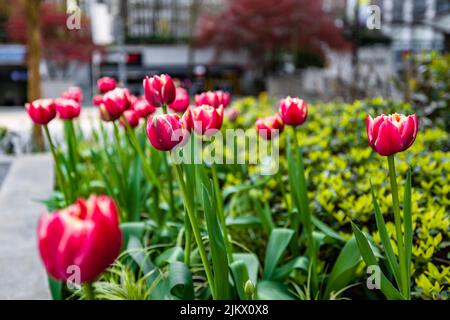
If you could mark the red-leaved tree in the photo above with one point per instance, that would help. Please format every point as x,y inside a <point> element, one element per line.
<point>61,47</point>
<point>264,27</point>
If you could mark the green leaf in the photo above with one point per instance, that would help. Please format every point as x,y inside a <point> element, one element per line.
<point>137,252</point>
<point>55,287</point>
<point>135,229</point>
<point>385,240</point>
<point>252,263</point>
<point>344,268</point>
<point>326,229</point>
<point>278,242</point>
<point>135,179</point>
<point>240,277</point>
<point>243,221</point>
<point>171,255</point>
<point>269,290</point>
<point>180,281</point>
<point>283,272</point>
<point>408,227</point>
<point>369,258</point>
<point>217,243</point>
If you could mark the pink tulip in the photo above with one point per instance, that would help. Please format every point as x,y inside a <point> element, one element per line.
<point>213,98</point>
<point>41,111</point>
<point>181,102</point>
<point>293,111</point>
<point>116,101</point>
<point>269,127</point>
<point>390,134</point>
<point>132,117</point>
<point>232,114</point>
<point>159,90</point>
<point>166,131</point>
<point>143,108</point>
<point>106,84</point>
<point>206,119</point>
<point>97,99</point>
<point>74,93</point>
<point>85,235</point>
<point>67,108</point>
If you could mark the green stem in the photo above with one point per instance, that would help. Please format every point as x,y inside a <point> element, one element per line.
<point>221,212</point>
<point>89,291</point>
<point>59,174</point>
<point>195,229</point>
<point>398,227</point>
<point>306,214</point>
<point>164,108</point>
<point>188,240</point>
<point>148,171</point>
<point>169,181</point>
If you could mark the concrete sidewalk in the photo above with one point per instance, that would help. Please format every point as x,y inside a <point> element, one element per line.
<point>28,180</point>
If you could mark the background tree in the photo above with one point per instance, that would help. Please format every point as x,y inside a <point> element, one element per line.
<point>267,27</point>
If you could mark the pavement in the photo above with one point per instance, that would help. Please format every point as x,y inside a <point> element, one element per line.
<point>28,180</point>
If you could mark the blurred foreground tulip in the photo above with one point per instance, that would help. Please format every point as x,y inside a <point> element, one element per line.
<point>41,111</point>
<point>181,102</point>
<point>390,134</point>
<point>206,118</point>
<point>116,102</point>
<point>143,108</point>
<point>74,93</point>
<point>97,100</point>
<point>106,84</point>
<point>159,90</point>
<point>213,98</point>
<point>67,108</point>
<point>293,111</point>
<point>269,127</point>
<point>85,235</point>
<point>132,118</point>
<point>166,131</point>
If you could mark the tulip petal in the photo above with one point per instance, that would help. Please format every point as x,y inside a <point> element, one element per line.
<point>388,141</point>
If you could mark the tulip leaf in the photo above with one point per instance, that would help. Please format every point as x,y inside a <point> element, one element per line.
<point>243,221</point>
<point>326,229</point>
<point>278,242</point>
<point>135,229</point>
<point>252,263</point>
<point>137,252</point>
<point>217,243</point>
<point>269,290</point>
<point>408,227</point>
<point>169,256</point>
<point>385,239</point>
<point>344,268</point>
<point>240,276</point>
<point>370,260</point>
<point>180,281</point>
<point>282,272</point>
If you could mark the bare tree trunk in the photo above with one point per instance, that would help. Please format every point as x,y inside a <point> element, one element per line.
<point>33,60</point>
<point>193,12</point>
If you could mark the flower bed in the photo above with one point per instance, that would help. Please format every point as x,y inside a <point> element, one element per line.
<point>223,231</point>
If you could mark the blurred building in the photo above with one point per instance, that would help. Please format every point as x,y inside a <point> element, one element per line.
<point>155,36</point>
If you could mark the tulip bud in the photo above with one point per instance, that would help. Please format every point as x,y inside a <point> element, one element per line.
<point>213,98</point>
<point>181,102</point>
<point>159,90</point>
<point>116,101</point>
<point>105,115</point>
<point>390,134</point>
<point>206,118</point>
<point>67,108</point>
<point>166,131</point>
<point>41,111</point>
<point>74,93</point>
<point>85,235</point>
<point>269,127</point>
<point>132,117</point>
<point>293,111</point>
<point>249,288</point>
<point>106,84</point>
<point>143,108</point>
